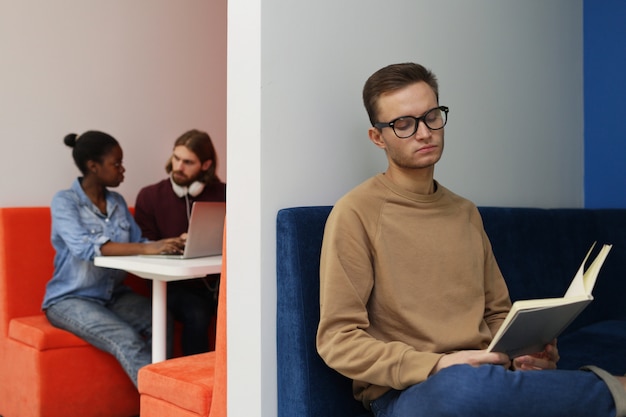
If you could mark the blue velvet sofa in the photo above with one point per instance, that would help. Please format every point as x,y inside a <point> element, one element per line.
<point>539,252</point>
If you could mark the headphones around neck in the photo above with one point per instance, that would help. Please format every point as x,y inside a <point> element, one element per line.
<point>193,190</point>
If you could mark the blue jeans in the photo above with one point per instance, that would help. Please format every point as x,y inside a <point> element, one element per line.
<point>122,327</point>
<point>492,391</point>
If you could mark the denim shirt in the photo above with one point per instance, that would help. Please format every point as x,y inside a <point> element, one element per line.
<point>79,230</point>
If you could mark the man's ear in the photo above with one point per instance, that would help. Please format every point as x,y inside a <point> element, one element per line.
<point>207,164</point>
<point>376,137</point>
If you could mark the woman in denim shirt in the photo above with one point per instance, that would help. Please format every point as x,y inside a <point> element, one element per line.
<point>89,220</point>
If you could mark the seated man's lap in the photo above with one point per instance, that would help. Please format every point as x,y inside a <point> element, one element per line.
<point>491,390</point>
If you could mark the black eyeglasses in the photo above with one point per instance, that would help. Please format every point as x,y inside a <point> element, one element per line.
<point>406,126</point>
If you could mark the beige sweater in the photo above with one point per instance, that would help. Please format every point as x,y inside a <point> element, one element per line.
<point>404,279</point>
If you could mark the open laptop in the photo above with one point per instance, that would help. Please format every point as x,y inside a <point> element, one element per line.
<point>205,232</point>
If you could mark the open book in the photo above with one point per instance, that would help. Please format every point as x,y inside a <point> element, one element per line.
<point>531,324</point>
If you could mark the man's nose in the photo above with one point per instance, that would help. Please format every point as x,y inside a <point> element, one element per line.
<point>422,132</point>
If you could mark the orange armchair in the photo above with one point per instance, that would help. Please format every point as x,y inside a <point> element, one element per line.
<point>190,386</point>
<point>46,371</point>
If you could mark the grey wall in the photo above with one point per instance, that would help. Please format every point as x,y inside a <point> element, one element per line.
<point>510,71</point>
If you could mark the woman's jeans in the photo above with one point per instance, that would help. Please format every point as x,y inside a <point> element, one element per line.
<point>492,391</point>
<point>122,327</point>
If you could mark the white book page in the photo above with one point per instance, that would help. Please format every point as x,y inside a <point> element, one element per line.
<point>584,281</point>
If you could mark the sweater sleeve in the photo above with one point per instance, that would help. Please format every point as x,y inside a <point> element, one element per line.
<point>346,283</point>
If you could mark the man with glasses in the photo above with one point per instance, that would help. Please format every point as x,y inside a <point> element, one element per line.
<point>410,291</point>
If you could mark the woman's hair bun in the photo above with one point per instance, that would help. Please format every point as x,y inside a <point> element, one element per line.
<point>70,140</point>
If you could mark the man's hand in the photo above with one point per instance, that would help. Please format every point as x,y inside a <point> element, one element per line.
<point>538,361</point>
<point>472,357</point>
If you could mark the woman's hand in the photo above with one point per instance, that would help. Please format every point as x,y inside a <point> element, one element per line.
<point>170,246</point>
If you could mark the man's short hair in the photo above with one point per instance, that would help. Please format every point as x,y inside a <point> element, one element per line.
<point>200,144</point>
<point>394,77</point>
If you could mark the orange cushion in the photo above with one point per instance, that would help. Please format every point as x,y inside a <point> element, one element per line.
<point>36,331</point>
<point>186,382</point>
<point>153,407</point>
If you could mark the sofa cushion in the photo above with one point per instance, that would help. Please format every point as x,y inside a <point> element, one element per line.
<point>601,344</point>
<point>306,385</point>
<point>160,408</point>
<point>36,331</point>
<point>46,371</point>
<point>186,382</point>
<point>24,231</point>
<point>540,250</point>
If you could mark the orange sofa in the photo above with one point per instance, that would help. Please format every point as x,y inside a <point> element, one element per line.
<point>46,371</point>
<point>190,386</point>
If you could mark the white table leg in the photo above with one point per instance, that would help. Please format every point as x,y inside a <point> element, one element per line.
<point>159,320</point>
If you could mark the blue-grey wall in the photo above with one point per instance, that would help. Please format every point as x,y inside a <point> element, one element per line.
<point>605,103</point>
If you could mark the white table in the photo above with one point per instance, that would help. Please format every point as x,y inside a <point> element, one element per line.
<point>160,271</point>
